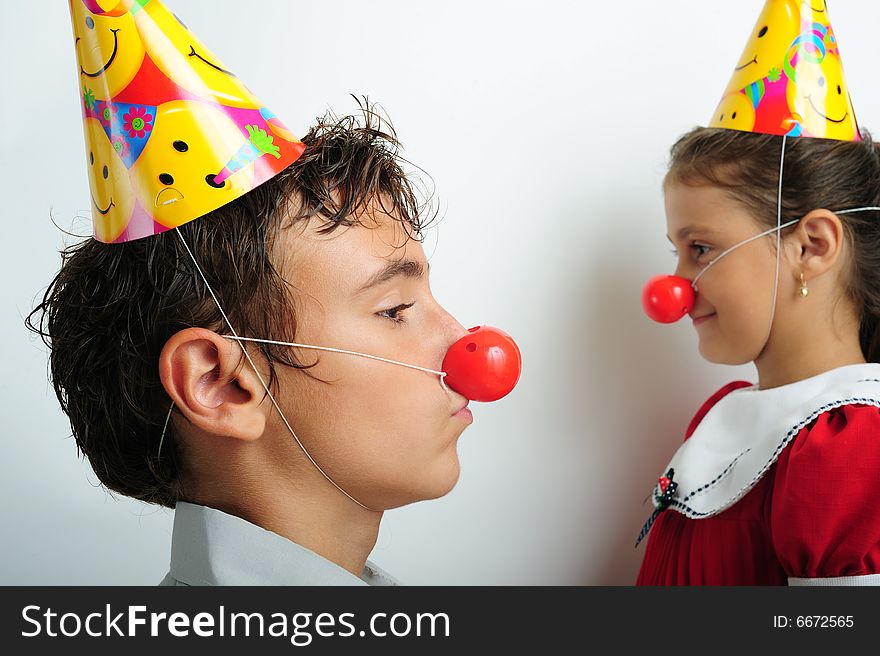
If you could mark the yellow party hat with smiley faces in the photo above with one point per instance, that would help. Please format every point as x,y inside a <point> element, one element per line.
<point>789,79</point>
<point>171,133</point>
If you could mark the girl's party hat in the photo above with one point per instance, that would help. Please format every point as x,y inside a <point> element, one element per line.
<point>171,134</point>
<point>789,80</point>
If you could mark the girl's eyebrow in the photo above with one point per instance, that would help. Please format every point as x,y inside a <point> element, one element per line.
<point>689,230</point>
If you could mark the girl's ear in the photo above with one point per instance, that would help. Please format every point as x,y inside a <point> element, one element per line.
<point>212,384</point>
<point>817,241</point>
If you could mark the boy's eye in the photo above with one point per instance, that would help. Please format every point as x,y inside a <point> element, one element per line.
<point>396,313</point>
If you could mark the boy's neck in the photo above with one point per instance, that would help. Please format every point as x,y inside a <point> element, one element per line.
<point>319,518</point>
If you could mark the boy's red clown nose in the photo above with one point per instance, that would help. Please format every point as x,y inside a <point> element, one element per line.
<point>484,365</point>
<point>666,299</point>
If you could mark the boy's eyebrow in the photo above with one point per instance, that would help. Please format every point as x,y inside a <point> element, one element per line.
<point>403,267</point>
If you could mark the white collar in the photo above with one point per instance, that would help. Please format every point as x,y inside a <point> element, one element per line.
<point>743,434</point>
<point>211,547</point>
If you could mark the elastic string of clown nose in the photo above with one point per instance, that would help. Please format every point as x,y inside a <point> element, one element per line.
<point>742,243</point>
<point>441,374</point>
<point>859,209</point>
<point>767,232</point>
<point>262,382</point>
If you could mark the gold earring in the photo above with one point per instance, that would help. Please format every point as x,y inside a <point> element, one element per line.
<point>804,290</point>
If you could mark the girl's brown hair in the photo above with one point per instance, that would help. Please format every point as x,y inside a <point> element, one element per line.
<point>818,173</point>
<point>111,307</point>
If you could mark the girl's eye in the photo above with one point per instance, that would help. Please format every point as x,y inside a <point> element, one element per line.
<point>700,249</point>
<point>396,313</point>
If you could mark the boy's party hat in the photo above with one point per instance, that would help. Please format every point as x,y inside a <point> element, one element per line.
<point>171,134</point>
<point>789,79</point>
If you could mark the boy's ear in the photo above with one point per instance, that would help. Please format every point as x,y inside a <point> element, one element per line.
<point>212,384</point>
<point>819,238</point>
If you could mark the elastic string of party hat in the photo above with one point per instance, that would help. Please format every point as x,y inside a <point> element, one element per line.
<point>262,382</point>
<point>441,374</point>
<point>777,230</point>
<point>778,237</point>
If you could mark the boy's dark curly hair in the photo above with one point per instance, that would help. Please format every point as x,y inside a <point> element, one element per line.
<point>111,307</point>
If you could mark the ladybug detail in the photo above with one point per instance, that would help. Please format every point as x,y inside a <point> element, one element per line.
<point>665,490</point>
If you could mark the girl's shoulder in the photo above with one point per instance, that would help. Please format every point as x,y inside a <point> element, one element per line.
<point>824,513</point>
<point>841,443</point>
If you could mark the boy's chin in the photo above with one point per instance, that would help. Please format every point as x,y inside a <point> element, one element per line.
<point>446,480</point>
<point>432,485</point>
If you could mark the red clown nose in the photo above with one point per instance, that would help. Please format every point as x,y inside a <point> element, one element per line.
<point>484,365</point>
<point>666,299</point>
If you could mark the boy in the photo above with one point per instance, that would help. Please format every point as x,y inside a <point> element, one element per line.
<point>203,343</point>
<point>325,253</point>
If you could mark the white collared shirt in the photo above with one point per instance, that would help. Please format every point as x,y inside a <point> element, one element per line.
<point>211,547</point>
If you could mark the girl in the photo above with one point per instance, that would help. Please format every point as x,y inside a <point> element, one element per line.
<point>777,482</point>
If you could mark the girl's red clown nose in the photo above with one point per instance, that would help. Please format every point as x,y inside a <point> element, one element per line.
<point>666,299</point>
<point>484,365</point>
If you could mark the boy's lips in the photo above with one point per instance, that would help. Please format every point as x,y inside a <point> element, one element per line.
<point>464,413</point>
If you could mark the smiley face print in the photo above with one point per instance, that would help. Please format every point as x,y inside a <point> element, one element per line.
<point>110,187</point>
<point>187,61</point>
<point>190,143</point>
<point>109,50</point>
<point>819,9</point>
<point>106,7</point>
<point>819,96</point>
<point>735,111</point>
<point>777,26</point>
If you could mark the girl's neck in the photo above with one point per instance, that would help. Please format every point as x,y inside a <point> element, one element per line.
<point>791,360</point>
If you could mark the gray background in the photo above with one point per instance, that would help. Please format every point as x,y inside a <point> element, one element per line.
<point>546,128</point>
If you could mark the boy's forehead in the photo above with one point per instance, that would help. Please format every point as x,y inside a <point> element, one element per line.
<point>349,256</point>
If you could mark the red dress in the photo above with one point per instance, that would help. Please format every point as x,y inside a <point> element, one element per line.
<point>814,514</point>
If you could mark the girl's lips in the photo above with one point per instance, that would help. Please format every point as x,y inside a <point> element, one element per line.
<point>702,319</point>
